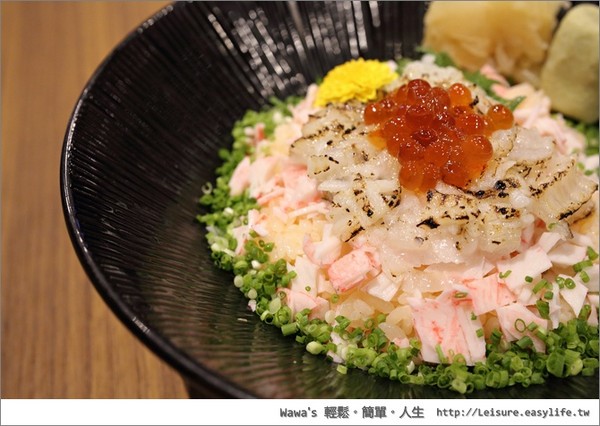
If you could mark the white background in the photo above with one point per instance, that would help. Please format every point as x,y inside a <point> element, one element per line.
<point>268,412</point>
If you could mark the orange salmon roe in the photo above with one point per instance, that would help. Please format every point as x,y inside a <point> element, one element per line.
<point>435,133</point>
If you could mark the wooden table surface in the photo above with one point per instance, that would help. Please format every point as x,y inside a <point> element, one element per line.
<point>59,339</point>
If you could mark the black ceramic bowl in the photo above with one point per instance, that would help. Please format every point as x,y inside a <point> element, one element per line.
<point>143,140</point>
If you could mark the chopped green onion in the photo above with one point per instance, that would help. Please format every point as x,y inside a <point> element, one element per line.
<point>496,336</point>
<point>543,308</point>
<point>555,364</point>
<point>497,379</point>
<point>459,359</point>
<point>524,342</point>
<point>541,333</point>
<point>473,316</point>
<point>307,288</point>
<point>540,285</point>
<point>504,274</point>
<point>302,317</point>
<point>591,253</point>
<point>580,266</point>
<point>269,287</point>
<point>342,321</point>
<point>573,362</point>
<point>335,298</point>
<point>315,348</point>
<point>238,281</point>
<point>585,312</point>
<point>357,333</point>
<point>440,354</point>
<point>479,332</point>
<point>548,295</point>
<point>444,381</point>
<point>361,357</point>
<point>342,369</point>
<point>520,325</point>
<point>569,283</point>
<point>459,386</point>
<point>283,316</point>
<point>584,277</point>
<point>288,329</point>
<point>241,265</point>
<point>529,279</point>
<point>441,59</point>
<point>274,305</point>
<point>532,326</point>
<point>461,294</point>
<point>266,316</point>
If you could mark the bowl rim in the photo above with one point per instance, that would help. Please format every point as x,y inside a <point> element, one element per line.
<point>157,343</point>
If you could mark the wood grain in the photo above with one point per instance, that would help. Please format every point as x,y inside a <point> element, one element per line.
<point>59,339</point>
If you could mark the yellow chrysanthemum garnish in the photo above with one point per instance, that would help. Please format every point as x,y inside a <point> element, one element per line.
<point>355,79</point>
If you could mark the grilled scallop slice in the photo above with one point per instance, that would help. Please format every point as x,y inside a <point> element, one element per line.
<point>527,178</point>
<point>325,129</point>
<point>562,197</point>
<point>359,179</point>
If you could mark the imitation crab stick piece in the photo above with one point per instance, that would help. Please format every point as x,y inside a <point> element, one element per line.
<point>434,322</point>
<point>446,329</point>
<point>548,240</point>
<point>300,189</point>
<point>350,269</point>
<point>470,325</point>
<point>401,342</point>
<point>592,299</point>
<point>311,208</point>
<point>554,306</point>
<point>382,287</point>
<point>532,262</point>
<point>307,275</point>
<point>593,318</point>
<point>475,269</point>
<point>320,309</point>
<point>567,254</point>
<point>487,294</point>
<point>259,132</point>
<point>304,109</point>
<point>515,318</point>
<point>574,294</point>
<point>324,252</point>
<point>297,301</point>
<point>263,175</point>
<point>256,223</point>
<point>240,180</point>
<point>535,112</point>
<point>501,83</point>
<point>593,273</point>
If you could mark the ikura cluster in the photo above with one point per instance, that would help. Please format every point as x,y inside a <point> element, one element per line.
<point>435,133</point>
